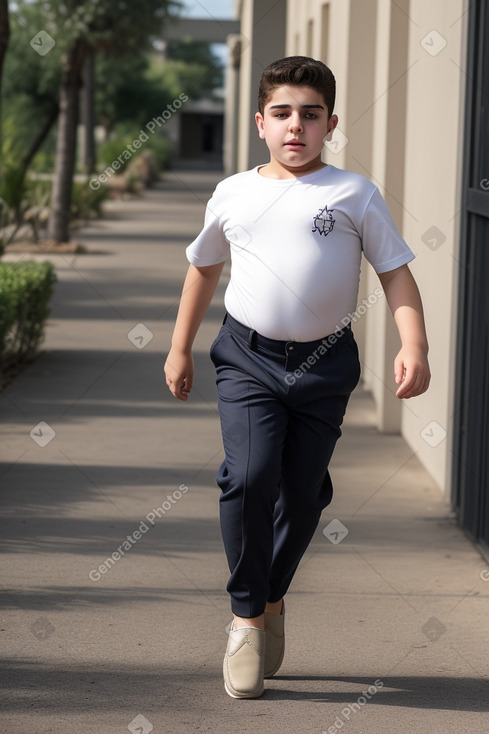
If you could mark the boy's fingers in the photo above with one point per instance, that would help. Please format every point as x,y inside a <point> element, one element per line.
<point>415,383</point>
<point>406,382</point>
<point>179,377</point>
<point>177,389</point>
<point>398,374</point>
<point>184,387</point>
<point>399,371</point>
<point>181,391</point>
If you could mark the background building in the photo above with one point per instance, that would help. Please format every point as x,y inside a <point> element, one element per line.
<point>412,101</point>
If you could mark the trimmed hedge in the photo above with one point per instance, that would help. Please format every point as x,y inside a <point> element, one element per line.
<point>25,291</point>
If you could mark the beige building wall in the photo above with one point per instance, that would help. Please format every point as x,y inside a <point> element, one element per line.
<point>435,124</point>
<point>400,101</point>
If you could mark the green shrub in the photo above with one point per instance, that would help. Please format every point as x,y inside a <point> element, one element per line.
<point>12,184</point>
<point>161,148</point>
<point>109,151</point>
<point>85,202</point>
<point>43,162</point>
<point>25,291</point>
<point>38,191</point>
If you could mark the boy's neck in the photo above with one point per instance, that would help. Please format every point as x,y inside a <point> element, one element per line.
<point>277,170</point>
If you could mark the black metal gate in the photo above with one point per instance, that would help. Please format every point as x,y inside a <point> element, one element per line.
<point>471,435</point>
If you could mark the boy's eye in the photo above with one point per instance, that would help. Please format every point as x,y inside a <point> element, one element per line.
<point>308,115</point>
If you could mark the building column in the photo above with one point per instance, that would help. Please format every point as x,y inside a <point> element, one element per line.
<point>263,27</point>
<point>388,168</point>
<point>231,104</point>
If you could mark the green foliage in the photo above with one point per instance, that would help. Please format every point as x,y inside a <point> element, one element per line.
<point>28,76</point>
<point>116,27</point>
<point>121,33</point>
<point>131,86</point>
<point>198,53</point>
<point>21,202</point>
<point>123,136</point>
<point>161,148</point>
<point>43,161</point>
<point>12,201</point>
<point>19,123</point>
<point>178,76</point>
<point>4,221</point>
<point>110,150</point>
<point>25,291</point>
<point>128,90</point>
<point>86,202</point>
<point>12,189</point>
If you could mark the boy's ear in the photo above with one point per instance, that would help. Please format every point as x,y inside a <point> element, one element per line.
<point>260,123</point>
<point>332,123</point>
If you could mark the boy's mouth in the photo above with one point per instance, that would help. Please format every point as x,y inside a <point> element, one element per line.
<point>294,143</point>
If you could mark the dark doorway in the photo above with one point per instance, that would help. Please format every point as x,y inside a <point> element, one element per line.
<point>471,435</point>
<point>201,138</point>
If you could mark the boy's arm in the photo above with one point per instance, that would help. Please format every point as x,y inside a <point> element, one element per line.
<point>198,289</point>
<point>411,368</point>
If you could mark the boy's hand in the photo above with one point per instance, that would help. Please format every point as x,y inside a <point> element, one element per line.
<point>411,372</point>
<point>179,372</point>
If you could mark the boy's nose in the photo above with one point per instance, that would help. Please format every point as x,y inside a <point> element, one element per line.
<point>295,123</point>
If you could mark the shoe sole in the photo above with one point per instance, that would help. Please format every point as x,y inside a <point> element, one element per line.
<point>244,695</point>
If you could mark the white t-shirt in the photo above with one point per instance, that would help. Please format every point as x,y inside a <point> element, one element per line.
<point>295,248</point>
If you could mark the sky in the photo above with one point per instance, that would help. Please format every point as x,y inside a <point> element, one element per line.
<point>220,9</point>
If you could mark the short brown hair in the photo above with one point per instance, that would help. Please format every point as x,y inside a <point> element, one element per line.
<point>297,70</point>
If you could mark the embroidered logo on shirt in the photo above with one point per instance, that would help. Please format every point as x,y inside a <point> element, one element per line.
<point>324,222</point>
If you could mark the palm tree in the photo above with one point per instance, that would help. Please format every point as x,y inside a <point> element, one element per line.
<point>59,216</point>
<point>4,38</point>
<point>113,27</point>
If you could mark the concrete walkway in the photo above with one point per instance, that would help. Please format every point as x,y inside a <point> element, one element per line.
<point>387,628</point>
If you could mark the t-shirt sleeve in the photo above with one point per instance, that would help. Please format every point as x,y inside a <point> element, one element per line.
<point>211,246</point>
<point>382,243</point>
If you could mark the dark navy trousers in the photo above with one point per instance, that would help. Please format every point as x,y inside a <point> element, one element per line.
<point>281,405</point>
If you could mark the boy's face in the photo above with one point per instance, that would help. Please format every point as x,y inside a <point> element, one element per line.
<point>294,126</point>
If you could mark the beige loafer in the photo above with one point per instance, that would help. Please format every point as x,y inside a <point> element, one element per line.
<point>274,642</point>
<point>244,663</point>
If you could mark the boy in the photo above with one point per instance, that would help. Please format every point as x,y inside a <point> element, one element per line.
<point>286,360</point>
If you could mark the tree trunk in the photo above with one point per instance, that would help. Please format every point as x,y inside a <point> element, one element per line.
<point>4,33</point>
<point>88,112</point>
<point>4,39</point>
<point>59,216</point>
